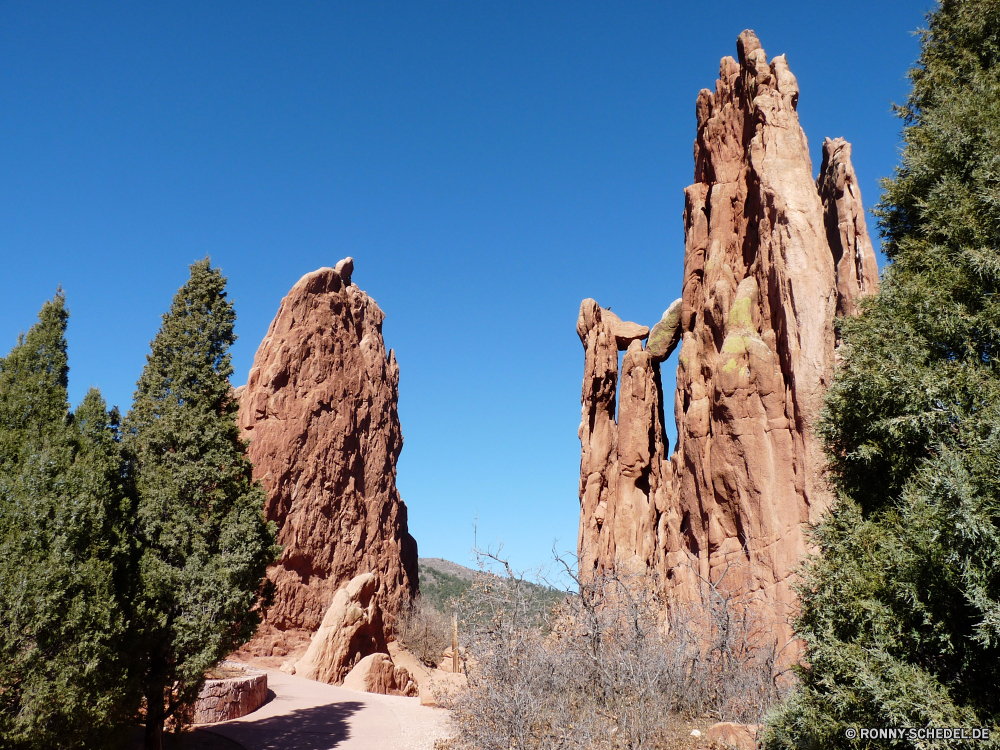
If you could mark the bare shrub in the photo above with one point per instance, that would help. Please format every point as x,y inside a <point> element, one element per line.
<point>424,631</point>
<point>608,666</point>
<point>731,652</point>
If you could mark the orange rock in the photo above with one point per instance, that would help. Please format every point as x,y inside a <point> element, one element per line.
<point>771,257</point>
<point>857,270</point>
<point>376,673</point>
<point>319,410</point>
<point>351,630</point>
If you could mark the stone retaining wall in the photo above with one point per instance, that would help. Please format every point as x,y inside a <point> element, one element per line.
<point>233,697</point>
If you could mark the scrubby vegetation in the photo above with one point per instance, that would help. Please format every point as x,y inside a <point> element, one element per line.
<point>901,609</point>
<point>425,631</point>
<point>604,668</point>
<point>443,590</point>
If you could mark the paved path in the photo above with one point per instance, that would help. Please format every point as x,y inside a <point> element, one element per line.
<point>308,715</point>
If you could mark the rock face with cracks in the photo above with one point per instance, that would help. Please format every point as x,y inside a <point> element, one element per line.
<point>772,256</point>
<point>320,412</point>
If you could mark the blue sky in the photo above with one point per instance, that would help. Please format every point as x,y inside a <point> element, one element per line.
<point>487,165</point>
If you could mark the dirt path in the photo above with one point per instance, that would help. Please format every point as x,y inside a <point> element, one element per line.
<point>308,715</point>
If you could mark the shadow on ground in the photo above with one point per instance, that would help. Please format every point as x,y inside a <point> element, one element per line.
<point>317,728</point>
<point>193,739</point>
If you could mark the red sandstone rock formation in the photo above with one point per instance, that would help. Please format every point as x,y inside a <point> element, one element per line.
<point>377,673</point>
<point>845,226</point>
<point>319,410</point>
<point>771,256</point>
<point>351,630</point>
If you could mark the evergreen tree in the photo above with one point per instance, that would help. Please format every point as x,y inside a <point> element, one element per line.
<point>901,609</point>
<point>204,542</point>
<point>64,554</point>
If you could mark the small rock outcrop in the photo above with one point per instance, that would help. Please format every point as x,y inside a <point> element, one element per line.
<point>772,256</point>
<point>376,673</point>
<point>320,412</point>
<point>351,630</point>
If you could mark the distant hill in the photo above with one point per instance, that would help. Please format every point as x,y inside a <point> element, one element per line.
<point>442,580</point>
<point>446,566</point>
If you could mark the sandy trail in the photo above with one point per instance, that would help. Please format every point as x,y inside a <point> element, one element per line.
<point>309,715</point>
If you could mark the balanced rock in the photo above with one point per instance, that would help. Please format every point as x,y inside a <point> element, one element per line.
<point>351,630</point>
<point>666,334</point>
<point>320,412</point>
<point>771,258</point>
<point>376,673</point>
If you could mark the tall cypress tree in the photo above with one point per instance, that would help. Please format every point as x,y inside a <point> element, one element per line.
<point>901,609</point>
<point>204,542</point>
<point>64,554</point>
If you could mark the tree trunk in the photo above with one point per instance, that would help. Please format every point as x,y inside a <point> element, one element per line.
<point>154,718</point>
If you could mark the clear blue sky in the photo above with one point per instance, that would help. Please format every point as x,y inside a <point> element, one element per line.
<point>487,165</point>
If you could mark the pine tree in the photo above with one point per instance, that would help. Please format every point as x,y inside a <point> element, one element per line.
<point>64,554</point>
<point>901,609</point>
<point>204,542</point>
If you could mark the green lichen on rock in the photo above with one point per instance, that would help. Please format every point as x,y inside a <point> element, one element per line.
<point>741,313</point>
<point>735,344</point>
<point>740,317</point>
<point>665,334</point>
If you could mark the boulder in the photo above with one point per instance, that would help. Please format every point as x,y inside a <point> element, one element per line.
<point>376,673</point>
<point>351,630</point>
<point>418,671</point>
<point>320,412</point>
<point>666,333</point>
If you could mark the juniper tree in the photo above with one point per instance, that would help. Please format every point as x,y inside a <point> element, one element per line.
<point>204,542</point>
<point>901,609</point>
<point>64,554</point>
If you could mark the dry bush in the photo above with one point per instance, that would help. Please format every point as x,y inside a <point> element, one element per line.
<point>731,653</point>
<point>424,631</point>
<point>608,667</point>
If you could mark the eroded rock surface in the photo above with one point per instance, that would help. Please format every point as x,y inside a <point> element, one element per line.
<point>771,257</point>
<point>376,673</point>
<point>351,630</point>
<point>319,410</point>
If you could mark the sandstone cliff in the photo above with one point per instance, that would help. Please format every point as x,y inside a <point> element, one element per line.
<point>771,257</point>
<point>319,410</point>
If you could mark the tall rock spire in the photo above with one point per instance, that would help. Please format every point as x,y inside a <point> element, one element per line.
<point>319,409</point>
<point>771,257</point>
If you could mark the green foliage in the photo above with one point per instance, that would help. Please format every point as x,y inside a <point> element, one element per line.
<point>204,542</point>
<point>901,612</point>
<point>439,589</point>
<point>64,554</point>
<point>444,591</point>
